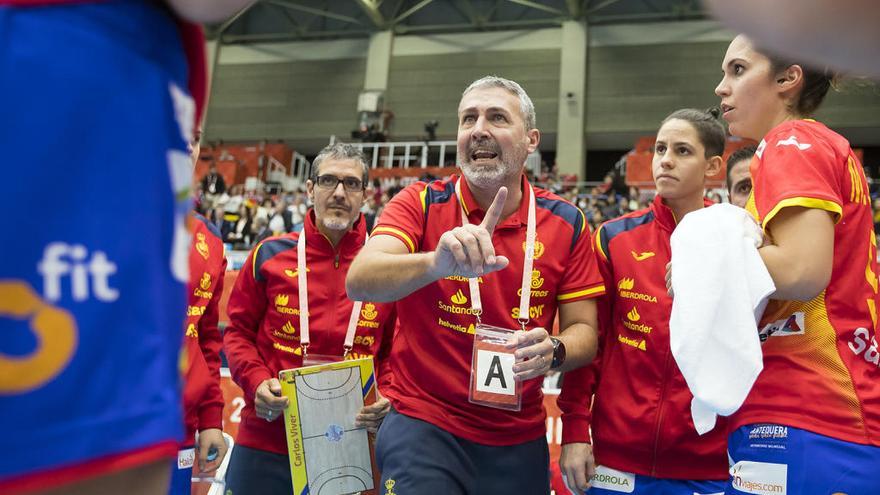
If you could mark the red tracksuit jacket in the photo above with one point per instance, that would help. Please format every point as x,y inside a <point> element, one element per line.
<point>263,333</point>
<point>641,421</point>
<point>202,397</point>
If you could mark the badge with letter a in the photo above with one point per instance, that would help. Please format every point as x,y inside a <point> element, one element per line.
<point>492,378</point>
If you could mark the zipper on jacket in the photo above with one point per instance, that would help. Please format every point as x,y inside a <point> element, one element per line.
<point>660,415</point>
<point>336,260</point>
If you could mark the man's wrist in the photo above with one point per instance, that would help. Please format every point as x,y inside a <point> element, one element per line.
<point>558,353</point>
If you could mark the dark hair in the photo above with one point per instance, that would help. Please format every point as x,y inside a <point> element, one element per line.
<point>709,128</point>
<point>340,151</point>
<point>744,153</point>
<point>816,84</point>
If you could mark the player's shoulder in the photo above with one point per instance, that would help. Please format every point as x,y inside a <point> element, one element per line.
<point>273,247</point>
<point>203,224</point>
<point>798,136</point>
<point>561,208</point>
<point>610,229</point>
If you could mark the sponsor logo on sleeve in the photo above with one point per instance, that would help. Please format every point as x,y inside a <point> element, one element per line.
<point>792,141</point>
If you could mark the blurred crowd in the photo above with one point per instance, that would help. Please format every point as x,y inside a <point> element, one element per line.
<point>246,217</point>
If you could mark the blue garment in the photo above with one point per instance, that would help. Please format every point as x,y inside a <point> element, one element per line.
<point>181,477</point>
<point>417,457</point>
<point>777,459</point>
<point>613,483</point>
<point>257,472</point>
<point>95,120</point>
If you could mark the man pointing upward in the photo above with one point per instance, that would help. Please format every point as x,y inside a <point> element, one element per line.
<point>431,239</point>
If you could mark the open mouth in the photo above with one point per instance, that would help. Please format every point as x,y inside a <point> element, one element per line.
<point>483,155</point>
<point>726,109</point>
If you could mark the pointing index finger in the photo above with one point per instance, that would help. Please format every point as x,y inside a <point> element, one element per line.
<point>493,214</point>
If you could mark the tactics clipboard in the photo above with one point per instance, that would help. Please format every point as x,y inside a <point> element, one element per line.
<point>328,454</point>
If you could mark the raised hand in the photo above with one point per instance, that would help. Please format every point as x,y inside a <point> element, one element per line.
<point>468,251</point>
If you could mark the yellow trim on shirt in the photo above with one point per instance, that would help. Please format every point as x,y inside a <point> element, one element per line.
<point>599,242</point>
<point>396,232</point>
<point>423,195</point>
<point>586,292</point>
<point>819,204</point>
<point>254,259</point>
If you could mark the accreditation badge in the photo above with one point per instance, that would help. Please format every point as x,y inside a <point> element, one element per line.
<point>492,379</point>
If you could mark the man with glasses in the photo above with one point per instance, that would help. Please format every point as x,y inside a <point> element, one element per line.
<point>265,332</point>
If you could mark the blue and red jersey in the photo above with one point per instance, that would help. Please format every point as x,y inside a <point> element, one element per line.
<point>821,361</point>
<point>93,275</point>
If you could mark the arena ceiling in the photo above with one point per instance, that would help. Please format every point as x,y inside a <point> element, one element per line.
<point>293,20</point>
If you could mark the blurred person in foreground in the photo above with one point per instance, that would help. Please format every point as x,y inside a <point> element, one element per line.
<point>92,303</point>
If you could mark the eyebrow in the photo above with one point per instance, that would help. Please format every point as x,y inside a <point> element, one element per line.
<point>676,143</point>
<point>731,62</point>
<point>488,110</point>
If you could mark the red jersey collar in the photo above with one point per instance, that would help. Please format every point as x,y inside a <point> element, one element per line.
<point>475,214</point>
<point>353,238</point>
<point>664,214</point>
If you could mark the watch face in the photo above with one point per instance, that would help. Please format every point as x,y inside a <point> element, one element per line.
<point>558,352</point>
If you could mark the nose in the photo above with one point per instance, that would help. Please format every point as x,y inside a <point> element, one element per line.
<point>339,190</point>
<point>666,160</point>
<point>480,128</point>
<point>723,89</point>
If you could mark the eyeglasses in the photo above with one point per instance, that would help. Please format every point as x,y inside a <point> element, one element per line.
<point>351,184</point>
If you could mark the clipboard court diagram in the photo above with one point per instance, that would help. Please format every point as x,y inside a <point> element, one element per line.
<point>328,454</point>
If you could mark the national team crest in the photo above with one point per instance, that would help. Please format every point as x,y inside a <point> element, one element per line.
<point>201,245</point>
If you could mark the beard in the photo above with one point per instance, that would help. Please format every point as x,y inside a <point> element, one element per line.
<point>492,175</point>
<point>336,223</point>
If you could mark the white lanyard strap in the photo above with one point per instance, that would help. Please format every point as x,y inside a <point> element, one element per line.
<point>528,262</point>
<point>304,303</point>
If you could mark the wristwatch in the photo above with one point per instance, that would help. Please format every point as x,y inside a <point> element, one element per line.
<point>558,353</point>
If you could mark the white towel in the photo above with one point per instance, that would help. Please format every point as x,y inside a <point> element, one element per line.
<point>721,287</point>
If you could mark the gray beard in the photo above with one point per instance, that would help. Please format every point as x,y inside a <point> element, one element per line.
<point>333,223</point>
<point>486,177</point>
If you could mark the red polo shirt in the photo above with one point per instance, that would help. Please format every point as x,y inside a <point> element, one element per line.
<point>434,343</point>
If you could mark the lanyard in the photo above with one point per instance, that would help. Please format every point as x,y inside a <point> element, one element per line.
<point>528,261</point>
<point>304,303</point>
